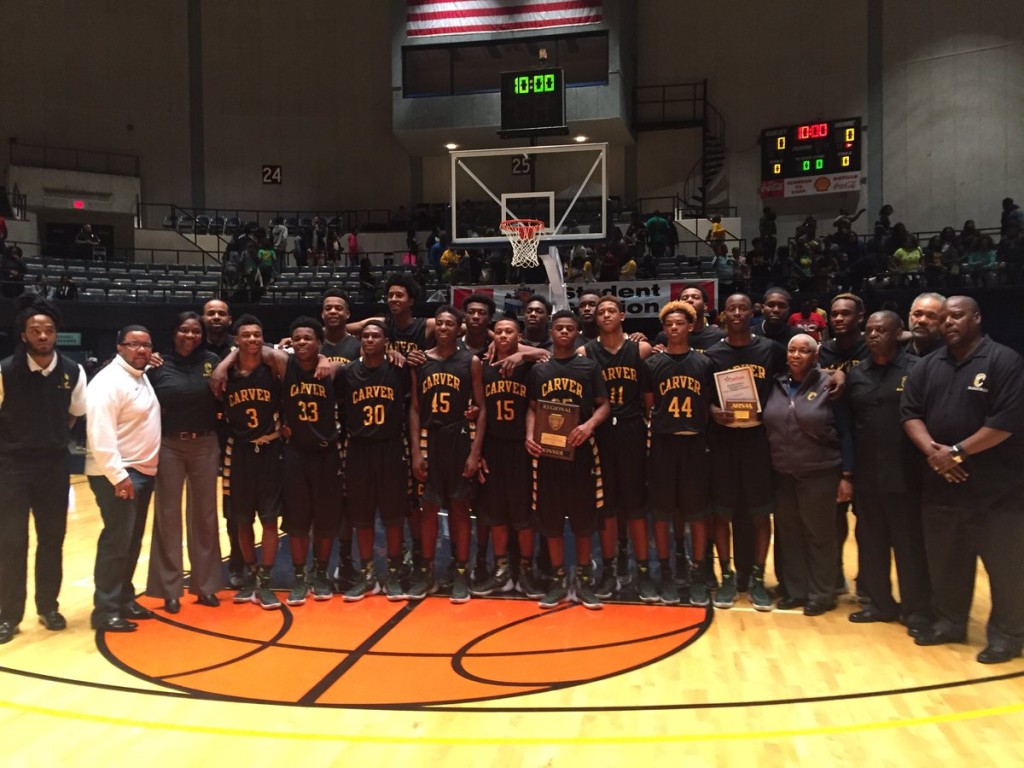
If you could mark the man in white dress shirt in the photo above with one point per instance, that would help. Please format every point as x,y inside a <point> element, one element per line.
<point>124,443</point>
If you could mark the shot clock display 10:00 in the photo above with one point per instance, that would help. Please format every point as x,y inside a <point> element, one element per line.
<point>821,149</point>
<point>533,103</point>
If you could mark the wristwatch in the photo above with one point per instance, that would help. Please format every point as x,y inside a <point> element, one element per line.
<point>956,453</point>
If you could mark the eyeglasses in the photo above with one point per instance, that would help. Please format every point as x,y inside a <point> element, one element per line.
<point>137,344</point>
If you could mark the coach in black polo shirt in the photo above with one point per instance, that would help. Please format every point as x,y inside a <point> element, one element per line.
<point>41,394</point>
<point>887,496</point>
<point>963,408</point>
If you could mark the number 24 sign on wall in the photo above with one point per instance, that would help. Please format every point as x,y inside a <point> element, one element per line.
<point>271,174</point>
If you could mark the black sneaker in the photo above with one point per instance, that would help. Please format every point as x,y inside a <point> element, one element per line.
<point>529,586</point>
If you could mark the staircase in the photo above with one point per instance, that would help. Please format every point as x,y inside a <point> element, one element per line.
<point>686,105</point>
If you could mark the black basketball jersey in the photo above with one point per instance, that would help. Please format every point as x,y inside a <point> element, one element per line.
<point>506,401</point>
<point>682,386</point>
<point>408,339</point>
<point>251,403</point>
<point>307,407</point>
<point>575,380</point>
<point>625,377</point>
<point>833,358</point>
<point>344,351</point>
<point>764,357</point>
<point>373,399</point>
<point>444,390</point>
<point>475,352</point>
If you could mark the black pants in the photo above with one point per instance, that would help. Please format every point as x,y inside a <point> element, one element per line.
<point>892,522</point>
<point>954,539</point>
<point>42,486</point>
<point>117,552</point>
<point>806,531</point>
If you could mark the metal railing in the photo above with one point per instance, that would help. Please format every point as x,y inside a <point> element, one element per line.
<point>71,159</point>
<point>676,104</point>
<point>228,221</point>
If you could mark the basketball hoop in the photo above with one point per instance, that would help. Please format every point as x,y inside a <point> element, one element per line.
<point>524,236</point>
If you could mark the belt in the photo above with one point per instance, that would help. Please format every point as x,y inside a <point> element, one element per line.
<point>188,435</point>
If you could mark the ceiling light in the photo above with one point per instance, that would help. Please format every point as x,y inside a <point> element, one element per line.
<point>451,145</point>
<point>580,139</point>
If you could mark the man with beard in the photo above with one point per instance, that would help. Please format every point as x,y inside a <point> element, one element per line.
<point>925,333</point>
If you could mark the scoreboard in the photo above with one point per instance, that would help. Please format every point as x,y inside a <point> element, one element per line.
<point>533,103</point>
<point>811,158</point>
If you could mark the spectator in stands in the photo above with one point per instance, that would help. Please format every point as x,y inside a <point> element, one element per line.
<point>353,247</point>
<point>40,287</point>
<point>1012,215</point>
<point>497,259</point>
<point>12,272</point>
<point>635,239</point>
<point>981,261</point>
<point>67,290</point>
<point>968,233</point>
<point>952,255</point>
<point>367,280</point>
<point>906,260</point>
<point>717,233</point>
<point>934,269</point>
<point>610,266</point>
<point>450,261</point>
<point>435,252</point>
<point>845,220</point>
<point>808,230</point>
<point>767,230</point>
<point>657,237</point>
<point>279,234</point>
<point>85,242</point>
<point>628,270</point>
<point>1011,253</point>
<point>809,319</point>
<point>268,261</point>
<point>757,263</point>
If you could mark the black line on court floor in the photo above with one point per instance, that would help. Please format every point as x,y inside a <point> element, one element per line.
<point>335,674</point>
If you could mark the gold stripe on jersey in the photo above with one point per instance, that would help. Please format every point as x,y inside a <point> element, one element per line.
<point>598,480</point>
<point>533,472</point>
<point>226,471</point>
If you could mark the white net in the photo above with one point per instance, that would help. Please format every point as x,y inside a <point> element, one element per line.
<point>524,236</point>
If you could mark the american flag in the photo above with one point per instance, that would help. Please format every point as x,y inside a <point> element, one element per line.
<point>459,17</point>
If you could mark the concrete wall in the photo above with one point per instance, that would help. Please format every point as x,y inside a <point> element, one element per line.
<point>954,110</point>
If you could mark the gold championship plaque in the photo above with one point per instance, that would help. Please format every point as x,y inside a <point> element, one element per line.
<point>552,427</point>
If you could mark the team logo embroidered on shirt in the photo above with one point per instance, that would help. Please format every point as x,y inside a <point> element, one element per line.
<point>903,383</point>
<point>67,382</point>
<point>207,370</point>
<point>979,383</point>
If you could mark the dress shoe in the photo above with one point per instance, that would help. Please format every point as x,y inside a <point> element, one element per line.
<point>53,621</point>
<point>210,601</point>
<point>115,624</point>
<point>791,603</point>
<point>135,612</point>
<point>870,615</point>
<point>172,605</point>
<point>816,608</point>
<point>997,654</point>
<point>917,625</point>
<point>934,637</point>
<point>8,630</point>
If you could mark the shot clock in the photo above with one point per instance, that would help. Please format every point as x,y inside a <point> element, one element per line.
<point>533,103</point>
<point>811,158</point>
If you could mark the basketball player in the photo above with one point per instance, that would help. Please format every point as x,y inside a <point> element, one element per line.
<point>311,462</point>
<point>252,459</point>
<point>372,392</point>
<point>536,318</point>
<point>477,311</point>
<point>587,312</point>
<point>443,388</point>
<point>703,335</point>
<point>503,499</point>
<point>622,442</point>
<point>742,488</point>
<point>568,488</point>
<point>679,466</point>
<point>340,347</point>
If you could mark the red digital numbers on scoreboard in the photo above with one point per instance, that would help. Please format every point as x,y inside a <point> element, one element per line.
<point>813,131</point>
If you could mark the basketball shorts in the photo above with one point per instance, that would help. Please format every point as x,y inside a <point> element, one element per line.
<point>504,498</point>
<point>312,486</point>
<point>570,489</point>
<point>375,471</point>
<point>446,451</point>
<point>623,449</point>
<point>741,471</point>
<point>679,478</point>
<point>252,480</point>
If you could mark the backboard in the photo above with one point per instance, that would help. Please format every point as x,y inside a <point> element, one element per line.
<point>565,186</point>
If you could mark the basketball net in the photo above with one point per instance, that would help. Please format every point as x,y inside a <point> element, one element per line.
<point>524,237</point>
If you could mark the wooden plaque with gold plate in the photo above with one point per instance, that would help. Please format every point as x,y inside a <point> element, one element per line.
<point>552,426</point>
<point>737,392</point>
